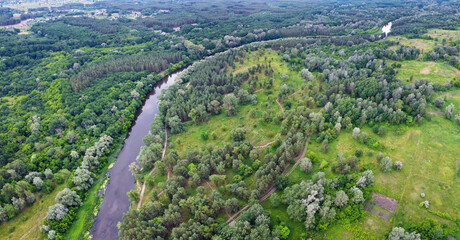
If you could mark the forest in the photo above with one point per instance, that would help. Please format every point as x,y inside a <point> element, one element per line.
<point>279,126</point>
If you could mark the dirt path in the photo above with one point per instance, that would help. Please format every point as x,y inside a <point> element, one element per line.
<point>436,112</point>
<point>236,214</point>
<point>426,70</point>
<point>33,228</point>
<point>300,157</point>
<point>295,92</point>
<point>265,145</point>
<point>141,196</point>
<point>272,188</point>
<point>410,170</point>
<point>282,109</point>
<point>454,94</point>
<point>258,90</point>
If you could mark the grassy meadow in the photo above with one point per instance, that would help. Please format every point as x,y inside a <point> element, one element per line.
<point>434,71</point>
<point>27,224</point>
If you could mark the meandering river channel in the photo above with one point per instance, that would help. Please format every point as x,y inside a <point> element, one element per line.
<point>116,202</point>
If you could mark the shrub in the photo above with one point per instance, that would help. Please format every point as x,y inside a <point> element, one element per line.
<point>398,165</point>
<point>204,135</point>
<point>385,164</point>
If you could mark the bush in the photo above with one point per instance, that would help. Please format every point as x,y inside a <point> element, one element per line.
<point>358,152</point>
<point>386,164</point>
<point>213,135</point>
<point>282,182</point>
<point>204,135</point>
<point>275,200</point>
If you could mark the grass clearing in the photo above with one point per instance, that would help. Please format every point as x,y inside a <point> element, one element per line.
<point>436,72</point>
<point>422,44</point>
<point>27,223</point>
<point>440,34</point>
<point>429,154</point>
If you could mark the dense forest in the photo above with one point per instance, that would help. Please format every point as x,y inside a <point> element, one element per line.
<point>71,84</point>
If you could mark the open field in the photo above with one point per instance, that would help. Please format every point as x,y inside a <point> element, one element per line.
<point>27,224</point>
<point>422,44</point>
<point>434,71</point>
<point>440,34</point>
<point>429,154</point>
<point>426,45</point>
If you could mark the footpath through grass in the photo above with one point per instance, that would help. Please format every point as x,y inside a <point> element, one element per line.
<point>27,224</point>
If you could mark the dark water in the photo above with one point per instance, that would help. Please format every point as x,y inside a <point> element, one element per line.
<point>116,202</point>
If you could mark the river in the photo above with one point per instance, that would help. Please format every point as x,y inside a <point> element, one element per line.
<point>116,202</point>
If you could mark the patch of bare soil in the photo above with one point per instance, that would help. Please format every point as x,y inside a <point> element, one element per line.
<point>426,70</point>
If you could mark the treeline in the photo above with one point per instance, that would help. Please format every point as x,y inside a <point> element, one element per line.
<point>167,20</point>
<point>103,26</point>
<point>138,63</point>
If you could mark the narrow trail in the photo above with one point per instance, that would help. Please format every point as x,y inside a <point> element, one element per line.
<point>141,196</point>
<point>282,109</point>
<point>272,188</point>
<point>436,112</point>
<point>410,170</point>
<point>33,228</point>
<point>299,157</point>
<point>295,92</point>
<point>264,146</point>
<point>258,90</point>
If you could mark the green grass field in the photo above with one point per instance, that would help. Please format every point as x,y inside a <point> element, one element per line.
<point>422,44</point>
<point>27,224</point>
<point>429,153</point>
<point>426,45</point>
<point>440,34</point>
<point>434,71</point>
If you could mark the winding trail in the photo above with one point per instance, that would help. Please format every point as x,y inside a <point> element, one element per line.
<point>141,196</point>
<point>295,92</point>
<point>282,109</point>
<point>272,188</point>
<point>33,228</point>
<point>264,146</point>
